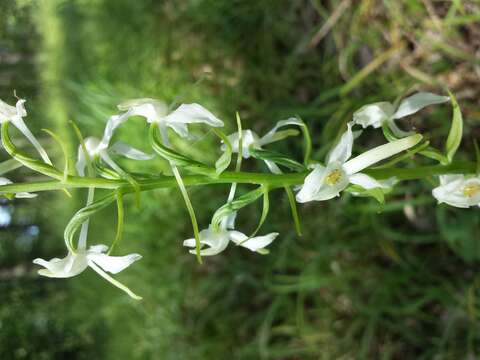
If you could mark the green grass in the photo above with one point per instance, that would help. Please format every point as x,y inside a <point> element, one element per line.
<point>362,282</point>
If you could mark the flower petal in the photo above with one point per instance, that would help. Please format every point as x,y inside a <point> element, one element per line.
<point>98,249</point>
<point>417,102</point>
<point>217,241</point>
<point>113,264</point>
<point>112,123</point>
<point>192,113</point>
<point>130,152</point>
<point>71,265</point>
<point>250,140</point>
<point>312,184</point>
<point>6,111</point>
<point>373,115</point>
<point>20,125</point>
<point>450,178</point>
<point>380,153</point>
<point>364,181</point>
<point>255,243</point>
<point>153,110</point>
<point>323,183</point>
<point>343,150</point>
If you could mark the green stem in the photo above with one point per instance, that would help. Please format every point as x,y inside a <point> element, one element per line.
<point>227,177</point>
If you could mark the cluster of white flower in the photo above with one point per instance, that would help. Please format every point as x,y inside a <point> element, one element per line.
<point>324,182</point>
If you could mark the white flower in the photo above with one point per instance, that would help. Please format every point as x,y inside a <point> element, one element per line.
<point>250,140</point>
<point>458,190</point>
<point>217,239</point>
<point>326,182</point>
<point>15,115</point>
<point>156,111</point>
<point>19,195</point>
<point>75,263</point>
<point>377,114</point>
<point>99,149</point>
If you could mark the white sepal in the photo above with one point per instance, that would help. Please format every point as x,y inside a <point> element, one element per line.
<point>374,115</point>
<point>343,150</point>
<point>216,240</point>
<point>417,102</point>
<point>255,243</point>
<point>192,113</point>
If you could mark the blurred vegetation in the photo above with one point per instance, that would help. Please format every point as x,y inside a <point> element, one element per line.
<point>363,282</point>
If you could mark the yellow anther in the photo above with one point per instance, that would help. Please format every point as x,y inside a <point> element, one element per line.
<point>334,177</point>
<point>471,190</point>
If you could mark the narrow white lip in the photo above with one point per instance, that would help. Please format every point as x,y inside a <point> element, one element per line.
<point>380,153</point>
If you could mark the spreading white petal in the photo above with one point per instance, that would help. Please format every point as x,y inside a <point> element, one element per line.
<point>192,113</point>
<point>153,110</point>
<point>216,240</point>
<point>112,124</point>
<point>71,265</point>
<point>7,111</point>
<point>15,115</point>
<point>417,102</point>
<point>323,183</point>
<point>451,178</point>
<point>128,151</point>
<point>343,150</point>
<point>20,125</point>
<point>365,181</point>
<point>255,243</point>
<point>113,264</point>
<point>373,115</point>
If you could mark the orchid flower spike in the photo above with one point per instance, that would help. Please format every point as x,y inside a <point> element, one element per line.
<point>76,262</point>
<point>18,195</point>
<point>380,113</point>
<point>217,240</point>
<point>98,149</point>
<point>250,140</point>
<point>326,182</point>
<point>15,115</point>
<point>458,190</point>
<point>155,111</point>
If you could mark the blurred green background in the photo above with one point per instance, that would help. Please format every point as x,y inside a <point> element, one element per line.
<point>364,282</point>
